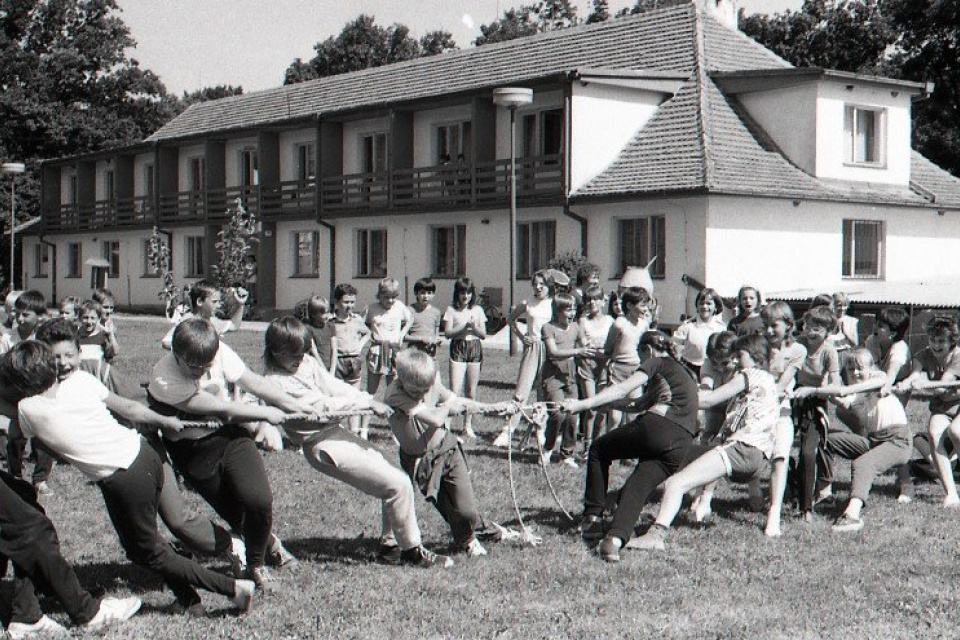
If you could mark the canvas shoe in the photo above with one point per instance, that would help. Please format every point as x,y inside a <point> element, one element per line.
<point>474,549</point>
<point>423,557</point>
<point>114,610</point>
<point>237,555</point>
<point>546,457</point>
<point>570,462</point>
<point>279,556</point>
<point>503,439</point>
<point>847,524</point>
<point>44,626</point>
<point>243,592</point>
<point>653,540</point>
<point>43,489</point>
<point>260,576</point>
<point>469,433</point>
<point>609,548</point>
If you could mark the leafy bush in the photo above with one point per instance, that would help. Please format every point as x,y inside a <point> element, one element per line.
<point>573,263</point>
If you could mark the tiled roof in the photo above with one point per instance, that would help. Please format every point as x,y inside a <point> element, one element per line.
<point>936,182</point>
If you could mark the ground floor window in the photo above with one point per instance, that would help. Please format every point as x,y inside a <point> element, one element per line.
<point>642,240</point>
<point>111,253</point>
<point>41,257</point>
<point>450,251</point>
<point>371,253</point>
<point>74,260</point>
<point>862,249</point>
<point>194,257</point>
<point>306,246</point>
<point>536,244</point>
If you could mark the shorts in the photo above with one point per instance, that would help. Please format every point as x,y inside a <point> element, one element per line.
<point>468,351</point>
<point>743,462</point>
<point>592,369</point>
<point>429,349</point>
<point>349,369</point>
<point>380,359</point>
<point>620,371</point>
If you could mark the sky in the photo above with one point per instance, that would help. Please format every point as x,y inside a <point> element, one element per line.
<point>192,44</point>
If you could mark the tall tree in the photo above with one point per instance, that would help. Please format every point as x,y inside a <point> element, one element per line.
<point>363,44</point>
<point>528,20</point>
<point>599,12</point>
<point>210,93</point>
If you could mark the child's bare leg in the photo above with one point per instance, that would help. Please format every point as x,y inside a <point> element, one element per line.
<point>937,428</point>
<point>373,384</point>
<point>703,471</point>
<point>701,506</point>
<point>458,375</point>
<point>470,389</point>
<point>529,364</point>
<point>778,475</point>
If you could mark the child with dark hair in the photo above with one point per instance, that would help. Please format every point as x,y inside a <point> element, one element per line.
<point>692,335</point>
<point>314,312</point>
<point>206,301</point>
<point>747,320</point>
<point>30,309</point>
<point>717,370</point>
<point>594,327</point>
<point>73,417</point>
<point>465,324</point>
<point>98,347</point>
<point>389,321</point>
<point>623,340</point>
<point>349,336</point>
<point>70,309</point>
<point>889,347</point>
<point>424,333</point>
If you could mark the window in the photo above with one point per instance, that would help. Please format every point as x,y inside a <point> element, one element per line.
<point>454,141</point>
<point>149,184</point>
<point>249,167</point>
<point>306,244</point>
<point>449,251</point>
<point>863,135</point>
<point>862,248</point>
<point>374,153</point>
<point>111,253</point>
<point>306,162</point>
<point>74,260</point>
<point>536,244</point>
<point>542,133</point>
<point>41,257</point>
<point>372,253</point>
<point>194,258</point>
<point>109,189</point>
<point>196,170</point>
<point>72,189</point>
<point>642,239</point>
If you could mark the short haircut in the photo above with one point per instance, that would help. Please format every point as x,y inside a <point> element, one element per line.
<point>388,286</point>
<point>55,331</point>
<point>317,305</point>
<point>585,273</point>
<point>73,300</point>
<point>720,344</point>
<point>896,319</point>
<point>778,310</point>
<point>942,326</point>
<point>821,300</point>
<point>862,356</point>
<point>415,368</point>
<point>658,340</point>
<point>102,294</point>
<point>465,285</point>
<point>343,289</point>
<point>31,300</point>
<point>593,292</point>
<point>200,291</point>
<point>90,305</point>
<point>424,284</point>
<point>745,288</point>
<point>710,294</point>
<point>757,346</point>
<point>634,296</point>
<point>196,341</point>
<point>29,368</point>
<point>841,297</point>
<point>822,317</point>
<point>285,336</point>
<point>547,277</point>
<point>562,302</point>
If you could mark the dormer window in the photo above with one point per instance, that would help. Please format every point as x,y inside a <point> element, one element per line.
<point>863,135</point>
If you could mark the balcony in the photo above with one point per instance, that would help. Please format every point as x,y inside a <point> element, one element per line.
<point>119,213</point>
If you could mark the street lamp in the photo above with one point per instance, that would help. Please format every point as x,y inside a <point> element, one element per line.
<point>13,168</point>
<point>511,98</point>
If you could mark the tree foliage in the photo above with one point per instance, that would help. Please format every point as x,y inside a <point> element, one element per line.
<point>363,44</point>
<point>528,20</point>
<point>209,93</point>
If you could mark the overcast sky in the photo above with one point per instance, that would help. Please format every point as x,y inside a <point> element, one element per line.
<point>197,43</point>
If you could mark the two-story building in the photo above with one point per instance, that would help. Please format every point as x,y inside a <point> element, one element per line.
<point>667,134</point>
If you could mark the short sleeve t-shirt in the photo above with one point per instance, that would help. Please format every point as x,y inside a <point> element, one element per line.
<point>386,324</point>
<point>692,337</point>
<point>537,315</point>
<point>786,357</point>
<point>818,365</point>
<point>561,366</point>
<point>594,331</point>
<point>935,368</point>
<point>753,415</point>
<point>898,356</point>
<point>78,427</point>
<point>678,391</point>
<point>349,332</point>
<point>455,319</point>
<point>425,324</point>
<point>94,346</point>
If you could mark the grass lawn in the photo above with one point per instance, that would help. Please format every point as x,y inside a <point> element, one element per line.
<point>894,579</point>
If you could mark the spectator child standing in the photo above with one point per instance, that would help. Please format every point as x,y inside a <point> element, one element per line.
<point>205,302</point>
<point>594,325</point>
<point>70,309</point>
<point>389,321</point>
<point>349,336</point>
<point>97,346</point>
<point>846,336</point>
<point>747,320</point>
<point>315,315</point>
<point>622,346</point>
<point>465,325</point>
<point>108,302</point>
<point>424,333</point>
<point>692,335</point>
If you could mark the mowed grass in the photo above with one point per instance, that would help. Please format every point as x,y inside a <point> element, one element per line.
<point>895,579</point>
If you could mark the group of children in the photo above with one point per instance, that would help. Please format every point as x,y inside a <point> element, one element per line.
<point>712,401</point>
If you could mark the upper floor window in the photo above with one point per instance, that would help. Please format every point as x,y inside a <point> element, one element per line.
<point>249,167</point>
<point>109,187</point>
<point>149,182</point>
<point>111,253</point>
<point>863,135</point>
<point>71,189</point>
<point>862,249</point>
<point>454,142</point>
<point>542,133</point>
<point>195,260</point>
<point>74,260</point>
<point>373,152</point>
<point>306,244</point>
<point>536,244</point>
<point>450,251</point>
<point>642,240</point>
<point>306,162</point>
<point>41,260</point>
<point>196,174</point>
<point>372,253</point>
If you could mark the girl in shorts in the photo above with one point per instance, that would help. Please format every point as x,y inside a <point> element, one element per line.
<point>465,324</point>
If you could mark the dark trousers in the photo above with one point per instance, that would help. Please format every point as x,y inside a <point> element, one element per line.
<point>814,471</point>
<point>452,494</point>
<point>658,444</point>
<point>16,453</point>
<point>131,496</point>
<point>227,471</point>
<point>29,540</point>
<point>562,424</point>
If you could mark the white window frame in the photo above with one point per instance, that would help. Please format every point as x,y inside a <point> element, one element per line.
<point>364,241</point>
<point>41,260</point>
<point>74,263</point>
<point>110,250</point>
<point>312,269</point>
<point>654,244</point>
<point>536,245</point>
<point>853,115</point>
<point>449,266</point>
<point>852,253</point>
<point>194,263</point>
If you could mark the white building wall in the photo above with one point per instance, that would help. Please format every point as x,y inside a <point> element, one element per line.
<point>776,246</point>
<point>289,141</point>
<point>290,288</point>
<point>603,119</point>
<point>425,123</point>
<point>832,97</point>
<point>353,133</point>
<point>140,164</point>
<point>790,119</point>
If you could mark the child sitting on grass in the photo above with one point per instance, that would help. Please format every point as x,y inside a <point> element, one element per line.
<point>337,453</point>
<point>429,452</point>
<point>879,438</point>
<point>749,435</point>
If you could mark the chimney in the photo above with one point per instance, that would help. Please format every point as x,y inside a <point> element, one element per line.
<point>723,11</point>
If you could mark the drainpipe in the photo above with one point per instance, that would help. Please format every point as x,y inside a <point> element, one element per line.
<point>333,255</point>
<point>53,267</point>
<point>567,211</point>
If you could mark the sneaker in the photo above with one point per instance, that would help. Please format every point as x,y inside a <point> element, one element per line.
<point>43,626</point>
<point>243,592</point>
<point>847,523</point>
<point>905,498</point>
<point>43,489</point>
<point>260,576</point>
<point>503,439</point>
<point>824,495</point>
<point>237,555</point>
<point>951,502</point>
<point>279,556</point>
<point>570,462</point>
<point>470,433</point>
<point>388,553</point>
<point>364,434</point>
<point>653,540</point>
<point>114,610</point>
<point>546,457</point>
<point>474,549</point>
<point>591,528</point>
<point>610,548</point>
<point>423,557</point>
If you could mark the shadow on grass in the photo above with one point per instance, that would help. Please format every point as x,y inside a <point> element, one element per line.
<point>326,550</point>
<point>497,384</point>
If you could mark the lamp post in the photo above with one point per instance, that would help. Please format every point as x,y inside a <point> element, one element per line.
<point>511,98</point>
<point>13,168</point>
